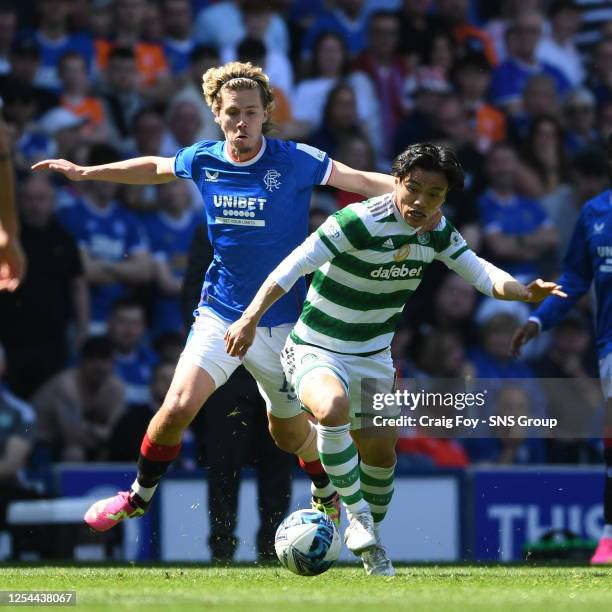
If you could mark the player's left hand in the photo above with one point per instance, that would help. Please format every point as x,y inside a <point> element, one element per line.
<point>12,262</point>
<point>431,223</point>
<point>239,337</point>
<point>538,290</point>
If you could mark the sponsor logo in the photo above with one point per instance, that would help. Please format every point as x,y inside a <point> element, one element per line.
<point>455,238</point>
<point>332,229</point>
<point>604,251</point>
<point>250,205</point>
<point>598,227</point>
<point>271,180</point>
<point>211,175</point>
<point>424,239</point>
<point>402,253</point>
<point>403,271</point>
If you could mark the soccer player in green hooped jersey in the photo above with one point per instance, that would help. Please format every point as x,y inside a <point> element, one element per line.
<point>369,259</point>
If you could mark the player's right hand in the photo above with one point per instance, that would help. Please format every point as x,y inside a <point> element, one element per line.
<point>523,335</point>
<point>67,168</point>
<point>239,337</point>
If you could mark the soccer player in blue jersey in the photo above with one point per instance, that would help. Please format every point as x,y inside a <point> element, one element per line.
<point>256,193</point>
<point>588,260</point>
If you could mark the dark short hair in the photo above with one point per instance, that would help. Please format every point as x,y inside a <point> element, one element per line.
<point>591,162</point>
<point>126,303</point>
<point>433,158</point>
<point>202,52</point>
<point>96,347</point>
<point>102,153</point>
<point>122,53</point>
<point>251,49</point>
<point>558,6</point>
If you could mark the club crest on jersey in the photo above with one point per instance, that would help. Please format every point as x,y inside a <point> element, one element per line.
<point>271,180</point>
<point>211,175</point>
<point>402,253</point>
<point>424,238</point>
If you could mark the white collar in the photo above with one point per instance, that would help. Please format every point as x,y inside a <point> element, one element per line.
<point>249,162</point>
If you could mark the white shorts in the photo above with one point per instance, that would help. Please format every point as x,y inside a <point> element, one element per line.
<point>205,348</point>
<point>300,360</point>
<point>605,374</point>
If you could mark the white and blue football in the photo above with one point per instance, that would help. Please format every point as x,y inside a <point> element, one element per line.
<point>307,543</point>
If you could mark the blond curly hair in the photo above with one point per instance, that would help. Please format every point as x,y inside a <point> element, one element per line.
<point>237,76</point>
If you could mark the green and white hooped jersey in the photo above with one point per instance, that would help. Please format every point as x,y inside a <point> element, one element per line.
<point>370,261</point>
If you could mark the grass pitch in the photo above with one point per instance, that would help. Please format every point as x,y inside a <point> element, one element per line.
<point>251,589</point>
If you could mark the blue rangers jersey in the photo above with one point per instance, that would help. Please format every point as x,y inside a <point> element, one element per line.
<point>588,259</point>
<point>256,214</point>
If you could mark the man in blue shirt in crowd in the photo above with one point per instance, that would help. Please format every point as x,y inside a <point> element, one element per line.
<point>588,260</point>
<point>111,241</point>
<point>256,194</point>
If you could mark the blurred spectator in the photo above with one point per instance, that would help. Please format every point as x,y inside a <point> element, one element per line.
<point>600,73</point>
<point>178,37</point>
<point>20,109</point>
<point>441,54</point>
<point>229,13</point>
<point>558,47</point>
<point>605,119</point>
<point>543,155</point>
<point>498,15</point>
<point>54,40</point>
<point>580,113</point>
<point>510,77</point>
<point>330,64</point>
<point>257,17</point>
<point>17,430</point>
<point>150,62</point>
<point>77,408</point>
<point>340,120</point>
<point>596,15</point>
<point>170,232</point>
<point>425,93</point>
<point>346,18</point>
<point>37,346</point>
<point>65,128</point>
<point>539,98</point>
<point>201,59</point>
<point>131,426</point>
<point>418,24</point>
<point>111,241</point>
<point>472,77</point>
<point>382,62</point>
<point>356,152</point>
<point>8,28</point>
<point>253,50</point>
<point>133,359</point>
<point>589,176</point>
<point>184,124</point>
<point>119,91</point>
<point>517,231</point>
<point>76,97</point>
<point>491,359</point>
<point>442,355</point>
<point>24,62</point>
<point>454,14</point>
<point>169,346</point>
<point>100,19</point>
<point>510,444</point>
<point>567,358</point>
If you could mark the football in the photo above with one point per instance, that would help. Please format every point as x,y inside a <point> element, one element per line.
<point>307,543</point>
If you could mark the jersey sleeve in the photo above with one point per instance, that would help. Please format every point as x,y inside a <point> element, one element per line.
<point>312,166</point>
<point>448,243</point>
<point>575,280</point>
<point>184,166</point>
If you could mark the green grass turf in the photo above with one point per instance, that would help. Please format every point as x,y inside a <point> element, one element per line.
<point>251,589</point>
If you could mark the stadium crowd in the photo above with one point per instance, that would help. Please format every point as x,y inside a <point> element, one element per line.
<point>522,91</point>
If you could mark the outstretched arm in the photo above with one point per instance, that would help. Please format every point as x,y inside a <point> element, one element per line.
<point>368,184</point>
<point>137,171</point>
